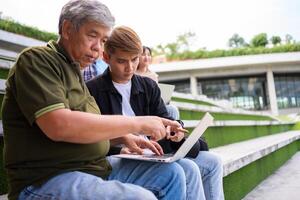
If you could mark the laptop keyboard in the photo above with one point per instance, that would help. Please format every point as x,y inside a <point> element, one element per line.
<point>157,156</point>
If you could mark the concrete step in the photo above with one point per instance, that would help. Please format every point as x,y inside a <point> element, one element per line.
<point>222,123</point>
<point>283,184</point>
<point>238,155</point>
<point>3,197</point>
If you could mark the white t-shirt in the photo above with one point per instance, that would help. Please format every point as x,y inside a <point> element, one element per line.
<point>125,90</point>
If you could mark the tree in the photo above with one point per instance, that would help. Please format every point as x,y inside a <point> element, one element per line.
<point>288,38</point>
<point>236,41</point>
<point>181,44</point>
<point>275,40</point>
<point>159,49</point>
<point>184,41</point>
<point>260,40</point>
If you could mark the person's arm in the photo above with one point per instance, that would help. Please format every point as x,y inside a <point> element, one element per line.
<point>79,127</point>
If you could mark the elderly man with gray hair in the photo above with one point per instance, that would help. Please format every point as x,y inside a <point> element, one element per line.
<point>55,141</point>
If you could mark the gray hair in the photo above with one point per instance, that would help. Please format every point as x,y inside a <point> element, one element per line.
<point>81,11</point>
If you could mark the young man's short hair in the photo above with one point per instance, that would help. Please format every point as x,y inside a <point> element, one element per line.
<point>124,39</point>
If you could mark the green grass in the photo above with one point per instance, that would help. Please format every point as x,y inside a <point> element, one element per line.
<point>15,27</point>
<point>238,184</point>
<point>296,126</point>
<point>219,136</point>
<point>3,73</point>
<point>197,102</point>
<point>201,53</point>
<point>195,115</point>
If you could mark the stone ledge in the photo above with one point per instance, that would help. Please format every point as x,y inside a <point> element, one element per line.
<point>214,109</point>
<point>221,123</point>
<point>2,86</point>
<point>223,104</point>
<point>238,155</point>
<point>8,55</point>
<point>16,42</point>
<point>3,197</point>
<point>6,64</point>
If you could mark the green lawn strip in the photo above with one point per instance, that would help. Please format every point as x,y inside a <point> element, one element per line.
<point>197,102</point>
<point>296,126</point>
<point>239,183</point>
<point>223,135</point>
<point>3,73</point>
<point>196,115</point>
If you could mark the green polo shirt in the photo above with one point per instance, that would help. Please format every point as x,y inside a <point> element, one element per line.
<point>44,79</point>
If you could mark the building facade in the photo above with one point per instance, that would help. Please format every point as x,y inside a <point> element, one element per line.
<point>266,82</point>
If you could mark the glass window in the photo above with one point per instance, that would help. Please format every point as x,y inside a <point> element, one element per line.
<point>182,86</point>
<point>244,92</point>
<point>287,88</point>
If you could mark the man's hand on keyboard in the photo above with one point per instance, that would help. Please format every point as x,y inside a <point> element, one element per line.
<point>137,144</point>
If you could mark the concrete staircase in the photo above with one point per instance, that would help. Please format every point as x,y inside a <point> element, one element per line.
<point>251,145</point>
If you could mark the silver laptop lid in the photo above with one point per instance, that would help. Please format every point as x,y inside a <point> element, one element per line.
<point>206,121</point>
<point>166,91</point>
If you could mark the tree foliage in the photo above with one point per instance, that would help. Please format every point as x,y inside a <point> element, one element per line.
<point>236,41</point>
<point>172,49</point>
<point>288,39</point>
<point>275,40</point>
<point>260,40</point>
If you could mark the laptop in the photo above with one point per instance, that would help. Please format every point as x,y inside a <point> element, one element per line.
<point>206,121</point>
<point>166,91</point>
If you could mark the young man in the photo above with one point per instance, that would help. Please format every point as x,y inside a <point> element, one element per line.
<point>119,91</point>
<point>55,141</point>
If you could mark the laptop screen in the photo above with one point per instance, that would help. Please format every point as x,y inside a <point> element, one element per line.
<point>166,91</point>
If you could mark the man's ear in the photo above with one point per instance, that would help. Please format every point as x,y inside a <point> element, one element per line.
<point>66,29</point>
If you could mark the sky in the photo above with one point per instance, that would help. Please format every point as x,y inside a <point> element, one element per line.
<point>162,21</point>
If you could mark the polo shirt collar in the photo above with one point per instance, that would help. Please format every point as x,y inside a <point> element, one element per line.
<point>60,51</point>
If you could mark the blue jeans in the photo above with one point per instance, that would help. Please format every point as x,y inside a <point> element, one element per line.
<point>129,180</point>
<point>173,111</point>
<point>211,170</point>
<point>77,185</point>
<point>179,180</point>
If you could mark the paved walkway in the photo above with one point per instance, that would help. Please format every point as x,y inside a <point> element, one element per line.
<point>283,184</point>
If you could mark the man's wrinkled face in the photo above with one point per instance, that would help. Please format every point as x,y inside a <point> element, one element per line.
<point>122,65</point>
<point>86,44</point>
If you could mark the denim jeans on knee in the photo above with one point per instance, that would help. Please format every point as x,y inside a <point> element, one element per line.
<point>211,170</point>
<point>193,179</point>
<point>166,180</point>
<point>82,186</point>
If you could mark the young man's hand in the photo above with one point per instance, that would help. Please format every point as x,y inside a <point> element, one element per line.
<point>137,144</point>
<point>175,134</point>
<point>155,127</point>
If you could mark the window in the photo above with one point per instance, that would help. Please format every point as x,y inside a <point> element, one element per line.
<point>287,88</point>
<point>182,86</point>
<point>244,92</point>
